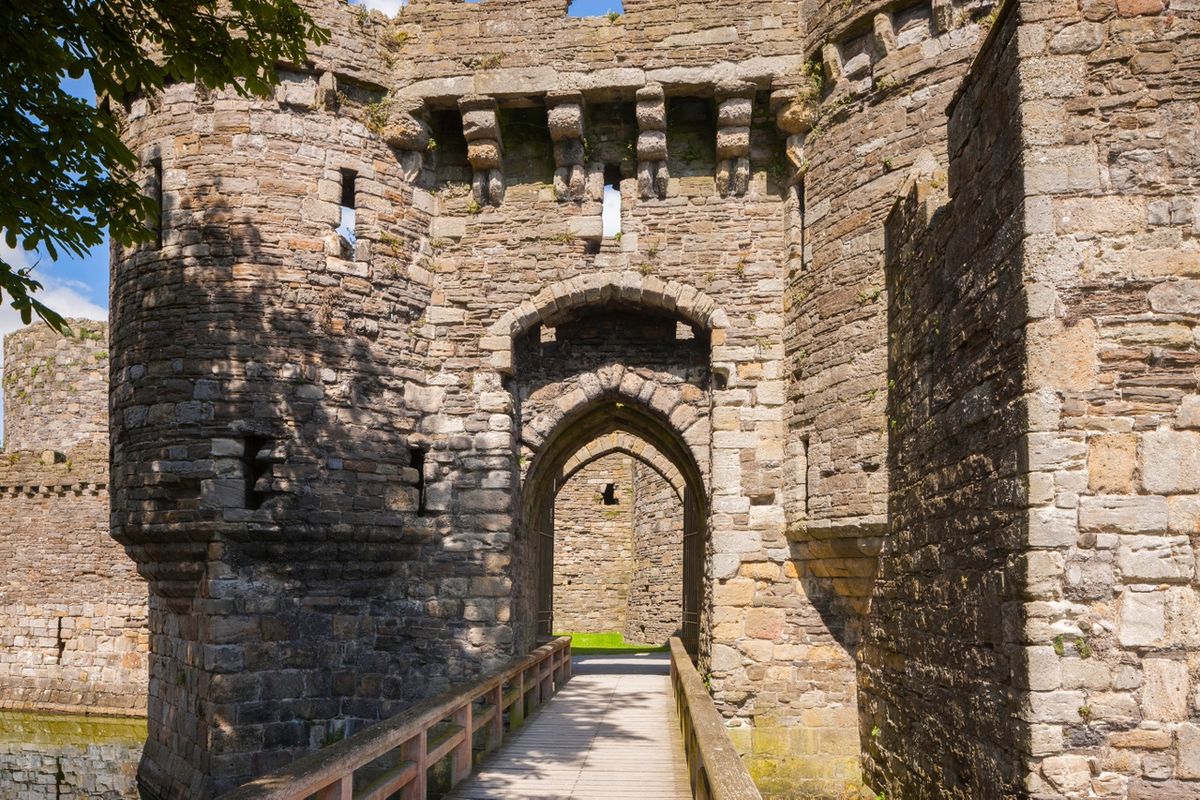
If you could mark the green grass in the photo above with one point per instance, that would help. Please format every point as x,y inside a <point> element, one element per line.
<point>607,644</point>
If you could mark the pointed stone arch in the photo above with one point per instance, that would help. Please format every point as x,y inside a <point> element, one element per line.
<point>619,386</point>
<point>556,301</point>
<point>597,414</point>
<point>624,442</point>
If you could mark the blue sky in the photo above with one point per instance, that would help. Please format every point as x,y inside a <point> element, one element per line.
<point>578,8</point>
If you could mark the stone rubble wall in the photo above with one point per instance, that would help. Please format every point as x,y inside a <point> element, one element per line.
<point>55,756</point>
<point>73,631</point>
<point>880,76</point>
<point>945,607</point>
<point>272,384</point>
<point>267,382</point>
<point>55,387</point>
<point>593,548</point>
<point>1088,594</point>
<point>1109,100</point>
<point>656,580</point>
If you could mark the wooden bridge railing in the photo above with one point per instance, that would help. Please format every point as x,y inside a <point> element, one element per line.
<point>715,769</point>
<point>394,755</point>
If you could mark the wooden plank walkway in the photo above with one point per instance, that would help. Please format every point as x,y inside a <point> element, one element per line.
<point>610,732</point>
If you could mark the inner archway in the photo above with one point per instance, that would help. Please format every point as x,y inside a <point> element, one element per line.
<point>662,569</point>
<point>618,543</point>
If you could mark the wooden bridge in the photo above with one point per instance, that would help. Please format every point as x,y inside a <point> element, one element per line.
<point>629,726</point>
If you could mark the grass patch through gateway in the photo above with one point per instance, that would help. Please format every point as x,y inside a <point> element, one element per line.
<point>607,644</point>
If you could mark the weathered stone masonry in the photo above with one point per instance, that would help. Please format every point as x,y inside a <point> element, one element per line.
<point>934,468</point>
<point>72,608</point>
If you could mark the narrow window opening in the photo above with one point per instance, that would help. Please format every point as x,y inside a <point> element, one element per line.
<point>347,226</point>
<point>609,496</point>
<point>611,217</point>
<point>800,200</point>
<point>416,460</point>
<point>255,464</point>
<point>156,192</point>
<point>802,470</point>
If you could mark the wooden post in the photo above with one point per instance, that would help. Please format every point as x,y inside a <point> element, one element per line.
<point>414,750</point>
<point>516,714</point>
<point>496,726</point>
<point>341,789</point>
<point>461,756</point>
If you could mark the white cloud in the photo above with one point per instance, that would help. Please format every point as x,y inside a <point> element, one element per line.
<point>389,7</point>
<point>63,296</point>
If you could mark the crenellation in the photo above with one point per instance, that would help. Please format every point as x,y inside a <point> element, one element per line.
<point>72,609</point>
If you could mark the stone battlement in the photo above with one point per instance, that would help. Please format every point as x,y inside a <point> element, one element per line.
<point>73,610</point>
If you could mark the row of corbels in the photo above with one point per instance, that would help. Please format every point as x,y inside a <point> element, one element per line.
<point>795,113</point>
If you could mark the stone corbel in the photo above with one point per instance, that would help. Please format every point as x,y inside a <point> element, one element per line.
<point>652,142</point>
<point>405,129</point>
<point>565,116</point>
<point>481,129</point>
<point>795,114</point>
<point>735,108</point>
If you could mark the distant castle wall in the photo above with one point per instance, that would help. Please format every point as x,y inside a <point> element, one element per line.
<point>73,631</point>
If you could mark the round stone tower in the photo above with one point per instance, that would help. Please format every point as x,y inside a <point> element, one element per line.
<point>55,391</point>
<point>261,439</point>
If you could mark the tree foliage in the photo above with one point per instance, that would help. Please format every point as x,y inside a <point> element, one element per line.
<point>65,175</point>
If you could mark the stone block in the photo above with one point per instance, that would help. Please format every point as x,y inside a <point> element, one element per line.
<point>732,142</point>
<point>1170,461</point>
<point>1165,689</point>
<point>1155,558</point>
<point>480,124</point>
<point>565,121</point>
<point>1112,462</point>
<point>1175,297</point>
<point>1128,514</point>
<point>1188,415</point>
<point>484,154</point>
<point>652,146</point>
<point>736,112</point>
<point>1143,619</point>
<point>1067,773</point>
<point>1187,764</point>
<point>406,132</point>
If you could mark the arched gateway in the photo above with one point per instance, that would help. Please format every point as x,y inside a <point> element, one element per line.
<point>600,365</point>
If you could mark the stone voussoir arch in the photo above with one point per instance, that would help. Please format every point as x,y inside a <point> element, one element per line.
<point>663,400</point>
<point>624,442</point>
<point>557,300</point>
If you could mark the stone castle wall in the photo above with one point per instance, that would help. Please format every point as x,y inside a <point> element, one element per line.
<point>945,604</point>
<point>49,757</point>
<point>593,548</point>
<point>72,607</point>
<point>56,388</point>
<point>656,581</point>
<point>1072,412</point>
<point>334,463</point>
<point>618,567</point>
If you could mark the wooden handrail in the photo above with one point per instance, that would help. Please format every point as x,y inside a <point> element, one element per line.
<point>715,769</point>
<point>421,735</point>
